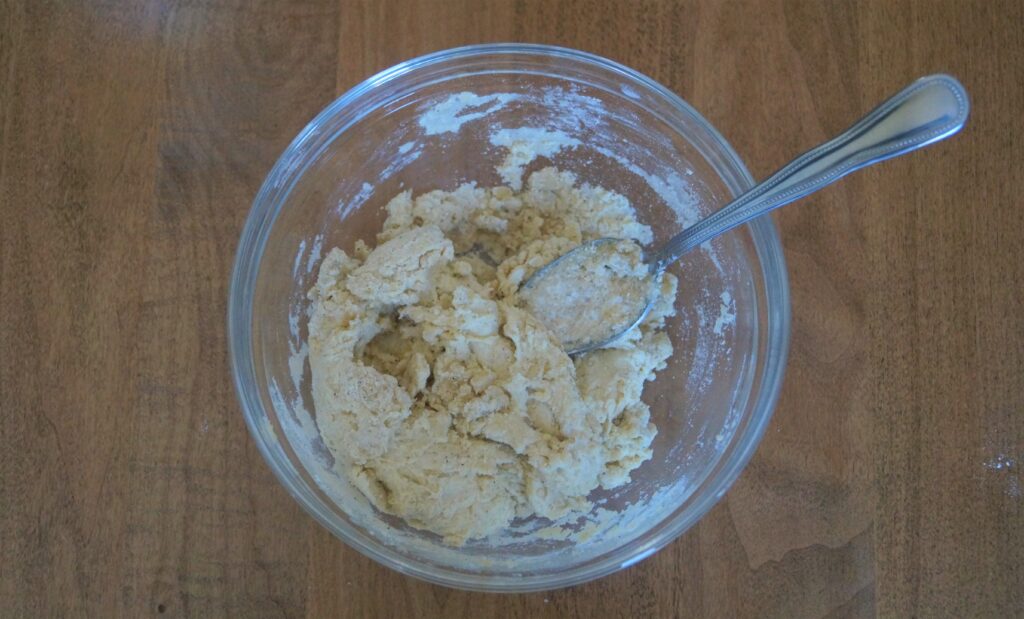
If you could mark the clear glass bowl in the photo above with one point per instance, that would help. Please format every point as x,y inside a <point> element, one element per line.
<point>731,333</point>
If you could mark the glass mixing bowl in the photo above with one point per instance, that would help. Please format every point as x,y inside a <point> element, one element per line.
<point>427,124</point>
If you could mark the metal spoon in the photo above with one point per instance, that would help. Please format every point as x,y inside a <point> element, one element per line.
<point>928,110</point>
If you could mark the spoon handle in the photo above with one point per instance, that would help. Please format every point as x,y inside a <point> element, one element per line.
<point>928,110</point>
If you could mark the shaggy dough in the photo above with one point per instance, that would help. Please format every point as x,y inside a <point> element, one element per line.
<point>441,399</point>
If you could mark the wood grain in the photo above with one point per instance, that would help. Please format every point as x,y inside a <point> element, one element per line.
<point>134,135</point>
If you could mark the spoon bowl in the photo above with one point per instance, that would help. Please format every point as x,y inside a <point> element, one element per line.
<point>585,300</point>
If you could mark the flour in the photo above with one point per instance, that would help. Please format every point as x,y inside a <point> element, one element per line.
<point>525,144</point>
<point>726,313</point>
<point>449,115</point>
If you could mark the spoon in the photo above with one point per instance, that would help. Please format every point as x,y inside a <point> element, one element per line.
<point>928,110</point>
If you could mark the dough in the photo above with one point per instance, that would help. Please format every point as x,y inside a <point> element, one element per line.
<point>444,401</point>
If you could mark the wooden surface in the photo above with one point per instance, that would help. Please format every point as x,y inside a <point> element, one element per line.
<point>135,133</point>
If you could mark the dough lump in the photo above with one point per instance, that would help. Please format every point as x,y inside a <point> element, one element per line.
<point>445,402</point>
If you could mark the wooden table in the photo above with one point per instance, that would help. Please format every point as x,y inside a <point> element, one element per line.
<point>135,133</point>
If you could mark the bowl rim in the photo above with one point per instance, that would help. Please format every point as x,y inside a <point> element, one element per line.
<point>268,204</point>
